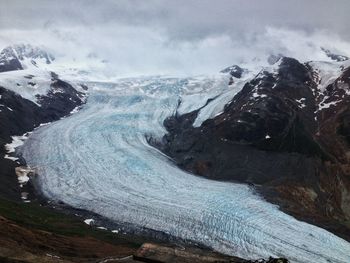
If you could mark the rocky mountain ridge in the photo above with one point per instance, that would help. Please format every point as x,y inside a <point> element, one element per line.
<point>287,132</point>
<point>29,98</point>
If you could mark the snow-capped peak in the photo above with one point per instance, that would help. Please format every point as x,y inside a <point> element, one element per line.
<point>23,56</point>
<point>26,51</point>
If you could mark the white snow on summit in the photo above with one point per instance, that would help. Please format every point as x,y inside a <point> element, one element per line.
<point>28,55</point>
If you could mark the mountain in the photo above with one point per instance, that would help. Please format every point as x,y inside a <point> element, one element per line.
<point>333,56</point>
<point>29,97</point>
<point>18,57</point>
<point>287,131</point>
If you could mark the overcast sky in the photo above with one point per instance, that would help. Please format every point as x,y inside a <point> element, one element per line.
<point>185,36</point>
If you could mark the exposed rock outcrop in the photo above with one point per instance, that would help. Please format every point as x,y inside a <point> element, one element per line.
<point>9,61</point>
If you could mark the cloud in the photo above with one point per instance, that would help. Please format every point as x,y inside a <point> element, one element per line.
<point>178,37</point>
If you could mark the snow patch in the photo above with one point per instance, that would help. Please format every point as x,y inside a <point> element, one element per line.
<point>75,110</point>
<point>44,124</point>
<point>301,103</point>
<point>52,256</point>
<point>89,221</point>
<point>328,105</point>
<point>257,95</point>
<point>24,195</point>
<point>10,157</point>
<point>16,142</point>
<point>23,174</point>
<point>327,73</point>
<point>222,94</point>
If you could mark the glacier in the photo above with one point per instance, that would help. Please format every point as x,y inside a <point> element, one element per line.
<point>98,159</point>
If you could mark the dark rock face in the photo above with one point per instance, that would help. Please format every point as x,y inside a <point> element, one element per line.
<point>60,100</point>
<point>18,116</point>
<point>273,134</point>
<point>25,115</point>
<point>235,71</point>
<point>9,60</point>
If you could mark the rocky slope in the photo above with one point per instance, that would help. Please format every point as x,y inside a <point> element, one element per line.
<point>29,98</point>
<point>287,132</point>
<point>19,115</point>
